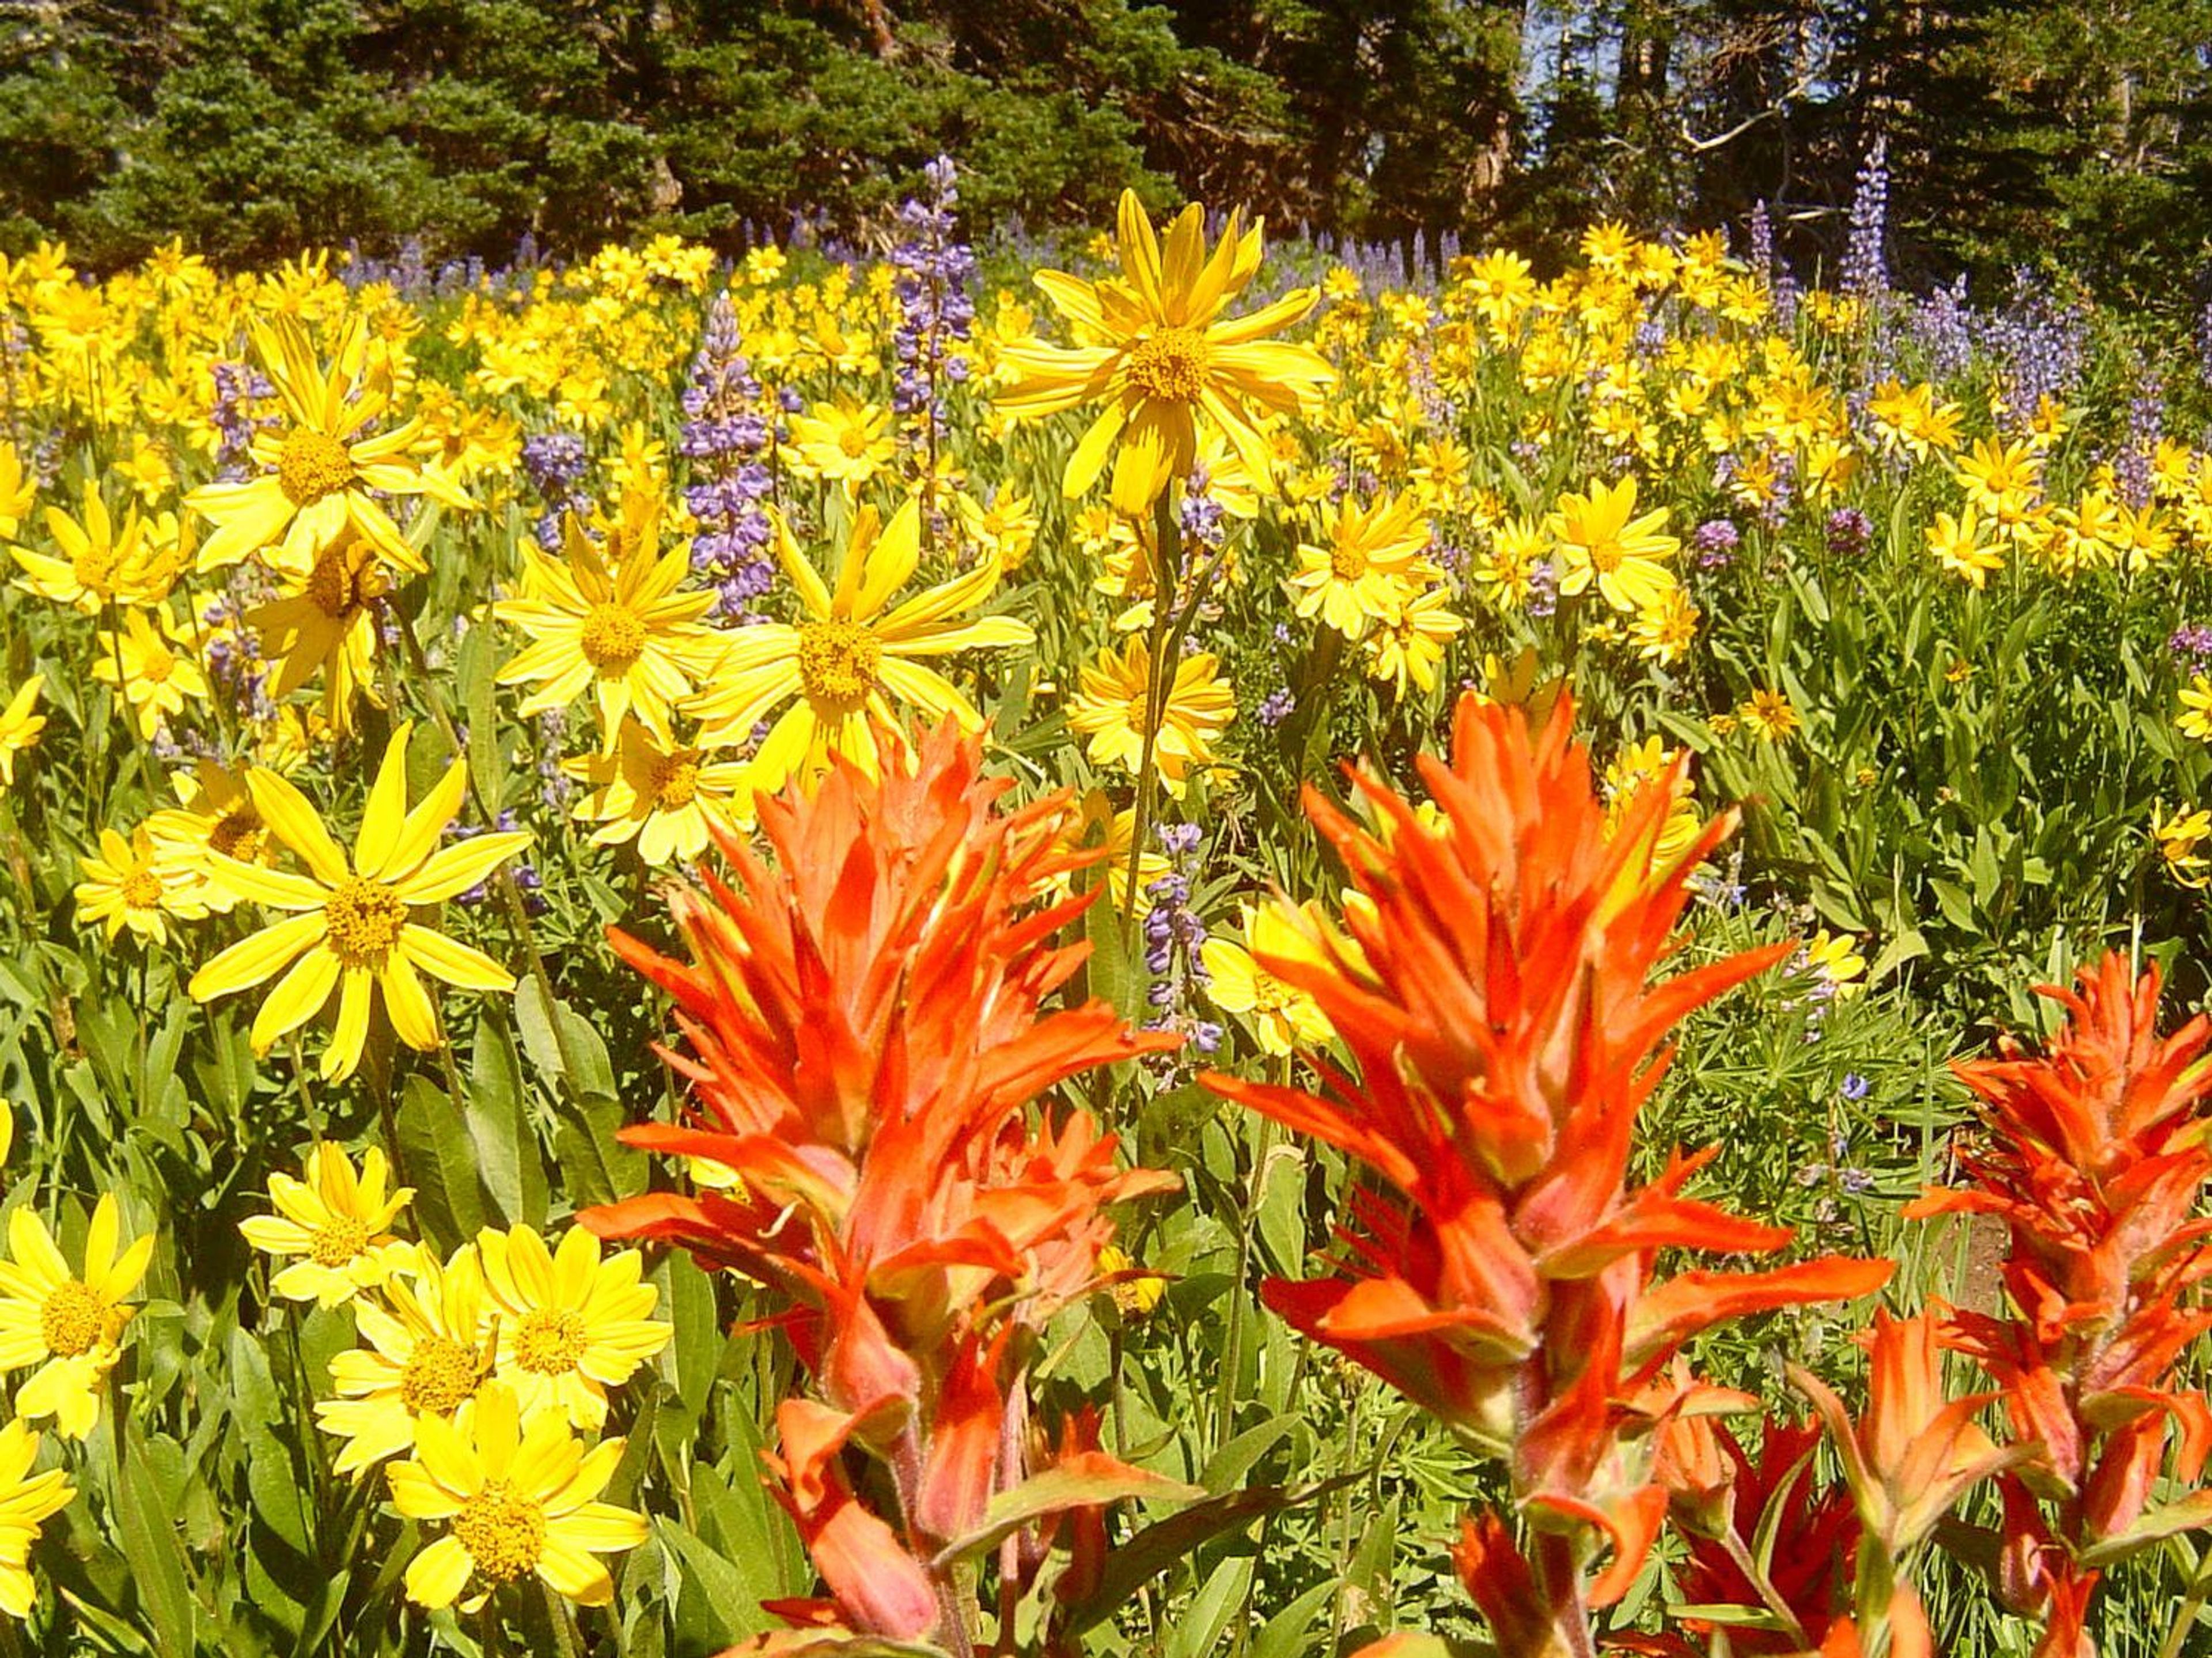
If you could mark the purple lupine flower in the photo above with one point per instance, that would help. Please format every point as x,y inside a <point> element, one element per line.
<point>1202,525</point>
<point>1174,940</point>
<point>1759,256</point>
<point>1715,542</point>
<point>1942,326</point>
<point>1850,532</point>
<point>1855,1087</point>
<point>237,386</point>
<point>2040,344</point>
<point>1275,707</point>
<point>554,788</point>
<point>724,435</point>
<point>1866,271</point>
<point>936,312</point>
<point>2131,467</point>
<point>555,463</point>
<point>1543,587</point>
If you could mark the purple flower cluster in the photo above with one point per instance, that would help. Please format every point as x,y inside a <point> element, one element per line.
<point>555,462</point>
<point>1543,587</point>
<point>1175,938</point>
<point>235,668</point>
<point>724,437</point>
<point>1275,707</point>
<point>2191,646</point>
<point>2040,344</point>
<point>524,873</point>
<point>1849,532</point>
<point>1200,512</point>
<point>2131,467</point>
<point>554,788</point>
<point>1942,326</point>
<point>936,312</point>
<point>1865,270</point>
<point>237,388</point>
<point>1761,254</point>
<point>1715,542</point>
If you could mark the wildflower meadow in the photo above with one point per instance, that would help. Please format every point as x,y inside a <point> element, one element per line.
<point>1177,940</point>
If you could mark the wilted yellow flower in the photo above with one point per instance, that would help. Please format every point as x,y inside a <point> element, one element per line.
<point>1834,959</point>
<point>2177,837</point>
<point>326,622</point>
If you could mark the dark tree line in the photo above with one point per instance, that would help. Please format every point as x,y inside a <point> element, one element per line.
<point>2017,130</point>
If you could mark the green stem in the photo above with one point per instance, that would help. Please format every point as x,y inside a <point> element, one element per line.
<point>1159,682</point>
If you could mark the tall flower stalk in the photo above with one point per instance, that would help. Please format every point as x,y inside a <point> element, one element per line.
<point>1496,996</point>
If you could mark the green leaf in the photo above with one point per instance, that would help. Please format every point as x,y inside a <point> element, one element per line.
<point>1055,1491</point>
<point>509,1165</point>
<point>1284,1635</point>
<point>1168,1543</point>
<point>598,1168</point>
<point>148,1523</point>
<point>441,1164</point>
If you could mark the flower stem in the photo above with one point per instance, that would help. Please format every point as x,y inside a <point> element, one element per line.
<point>1167,560</point>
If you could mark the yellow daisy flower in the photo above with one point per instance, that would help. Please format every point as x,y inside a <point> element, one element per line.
<point>1154,346</point>
<point>338,1221</point>
<point>2177,837</point>
<point>69,1325</point>
<point>1600,542</point>
<point>321,471</point>
<point>102,562</point>
<point>1958,546</point>
<point>427,1349</point>
<point>19,727</point>
<point>2195,719</point>
<point>217,818</point>
<point>1113,710</point>
<point>1284,1018</point>
<point>133,883</point>
<point>1374,563</point>
<point>667,798</point>
<point>852,660</point>
<point>156,677</point>
<point>28,1500</point>
<point>354,931</point>
<point>515,1502</point>
<point>1407,646</point>
<point>326,622</point>
<point>571,1325</point>
<point>627,636</point>
<point>1770,716</point>
<point>846,442</point>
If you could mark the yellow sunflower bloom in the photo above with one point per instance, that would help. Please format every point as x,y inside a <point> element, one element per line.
<point>338,1221</point>
<point>852,661</point>
<point>28,1500</point>
<point>69,1325</point>
<point>667,798</point>
<point>846,443</point>
<point>321,472</point>
<point>326,622</point>
<point>1113,708</point>
<point>156,676</point>
<point>1771,716</point>
<point>102,561</point>
<point>571,1325</point>
<point>1374,565</point>
<point>1284,1018</point>
<point>1406,647</point>
<point>354,931</point>
<point>626,635</point>
<point>1958,546</point>
<point>1155,348</point>
<point>217,818</point>
<point>1600,542</point>
<point>20,728</point>
<point>133,883</point>
<point>426,1349</point>
<point>515,1502</point>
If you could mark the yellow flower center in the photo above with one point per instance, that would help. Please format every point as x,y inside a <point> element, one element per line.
<point>549,1342</point>
<point>441,1375</point>
<point>854,441</point>
<point>613,639</point>
<point>1606,556</point>
<point>1347,561</point>
<point>504,1533</point>
<point>338,588</point>
<point>313,464</point>
<point>362,920</point>
<point>95,568</point>
<point>161,662</point>
<point>676,779</point>
<point>1170,366</point>
<point>141,889</point>
<point>837,664</point>
<point>72,1319</point>
<point>338,1241</point>
<point>238,834</point>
